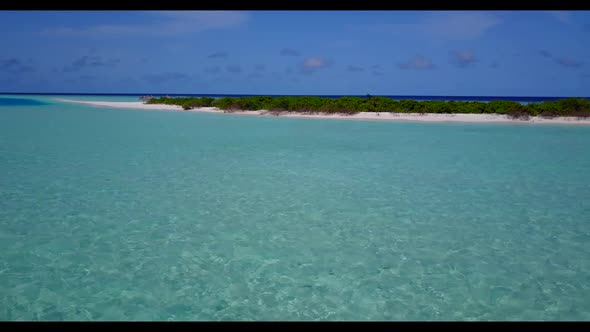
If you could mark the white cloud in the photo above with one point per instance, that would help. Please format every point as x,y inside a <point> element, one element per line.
<point>418,62</point>
<point>463,58</point>
<point>161,23</point>
<point>569,62</point>
<point>311,64</point>
<point>314,62</point>
<point>450,26</point>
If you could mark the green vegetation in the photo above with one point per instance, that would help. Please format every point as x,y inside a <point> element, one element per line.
<point>186,102</point>
<point>577,107</point>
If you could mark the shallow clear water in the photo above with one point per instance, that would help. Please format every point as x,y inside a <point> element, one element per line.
<point>113,214</point>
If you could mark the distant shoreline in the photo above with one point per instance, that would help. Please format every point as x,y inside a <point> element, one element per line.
<point>484,98</point>
<point>371,116</point>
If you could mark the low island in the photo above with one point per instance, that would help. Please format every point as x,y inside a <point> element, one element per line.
<point>562,111</point>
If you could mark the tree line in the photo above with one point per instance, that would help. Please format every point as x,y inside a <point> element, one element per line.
<point>577,107</point>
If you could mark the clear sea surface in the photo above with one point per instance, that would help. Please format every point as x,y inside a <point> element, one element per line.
<point>118,214</point>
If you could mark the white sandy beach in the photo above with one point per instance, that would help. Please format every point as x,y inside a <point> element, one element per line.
<point>379,116</point>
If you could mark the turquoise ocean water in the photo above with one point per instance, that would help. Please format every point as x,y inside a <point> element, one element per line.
<point>115,214</point>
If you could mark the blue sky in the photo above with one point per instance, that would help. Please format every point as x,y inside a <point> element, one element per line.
<point>505,53</point>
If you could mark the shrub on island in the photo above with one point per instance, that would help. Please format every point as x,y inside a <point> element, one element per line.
<point>578,107</point>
